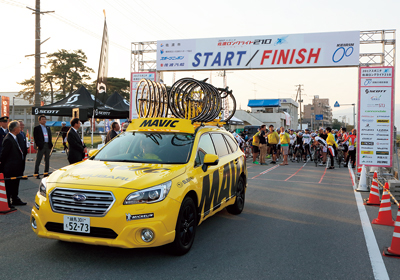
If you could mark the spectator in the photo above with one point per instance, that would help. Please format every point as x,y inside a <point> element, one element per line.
<point>263,144</point>
<point>255,143</point>
<point>125,126</point>
<point>23,144</point>
<point>113,132</point>
<point>77,148</point>
<point>43,142</point>
<point>3,130</point>
<point>285,140</point>
<point>352,140</point>
<point>273,139</point>
<point>11,159</point>
<point>64,131</point>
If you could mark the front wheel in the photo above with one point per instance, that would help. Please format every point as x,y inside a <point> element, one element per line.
<point>185,229</point>
<point>237,208</point>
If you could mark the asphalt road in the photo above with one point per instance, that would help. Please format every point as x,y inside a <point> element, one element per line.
<point>299,222</point>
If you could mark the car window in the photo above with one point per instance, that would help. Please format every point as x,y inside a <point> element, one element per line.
<point>220,144</point>
<point>232,143</point>
<point>148,147</point>
<point>206,146</point>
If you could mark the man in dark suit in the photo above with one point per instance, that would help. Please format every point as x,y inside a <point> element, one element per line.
<point>43,141</point>
<point>11,159</point>
<point>77,148</point>
<point>113,132</point>
<point>22,143</point>
<point>3,130</point>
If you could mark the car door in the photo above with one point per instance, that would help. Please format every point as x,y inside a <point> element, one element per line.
<point>207,181</point>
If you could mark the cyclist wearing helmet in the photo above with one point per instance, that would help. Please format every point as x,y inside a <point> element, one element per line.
<point>332,145</point>
<point>306,143</point>
<point>292,137</point>
<point>318,141</point>
<point>299,143</point>
<point>345,141</point>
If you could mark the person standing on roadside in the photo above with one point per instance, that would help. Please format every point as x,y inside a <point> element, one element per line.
<point>11,160</point>
<point>113,132</point>
<point>64,131</point>
<point>43,141</point>
<point>263,144</point>
<point>77,148</point>
<point>3,130</point>
<point>285,141</point>
<point>352,142</point>
<point>332,145</point>
<point>255,143</point>
<point>23,144</point>
<point>273,139</point>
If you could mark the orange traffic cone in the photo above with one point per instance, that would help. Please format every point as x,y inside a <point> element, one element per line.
<point>394,249</point>
<point>385,211</point>
<point>373,199</point>
<point>4,209</point>
<point>86,156</point>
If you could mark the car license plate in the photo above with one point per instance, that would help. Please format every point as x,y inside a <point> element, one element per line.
<point>77,224</point>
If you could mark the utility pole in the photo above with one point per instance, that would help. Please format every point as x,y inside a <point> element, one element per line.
<point>300,101</point>
<point>37,54</point>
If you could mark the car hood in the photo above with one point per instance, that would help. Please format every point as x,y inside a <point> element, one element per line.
<point>129,175</point>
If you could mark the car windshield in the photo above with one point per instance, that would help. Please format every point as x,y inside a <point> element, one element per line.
<point>148,147</point>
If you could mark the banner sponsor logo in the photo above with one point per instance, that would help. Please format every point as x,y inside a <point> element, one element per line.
<point>5,106</point>
<point>382,153</point>
<point>367,143</point>
<point>382,121</point>
<point>367,152</point>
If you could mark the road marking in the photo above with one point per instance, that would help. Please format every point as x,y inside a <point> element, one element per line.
<point>375,256</point>
<point>266,171</point>
<point>322,176</point>
<point>297,170</point>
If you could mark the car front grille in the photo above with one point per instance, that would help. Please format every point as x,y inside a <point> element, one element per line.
<point>97,203</point>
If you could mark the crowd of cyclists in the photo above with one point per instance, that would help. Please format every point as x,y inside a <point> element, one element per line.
<point>300,145</point>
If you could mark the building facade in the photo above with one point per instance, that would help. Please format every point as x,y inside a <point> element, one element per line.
<point>278,112</point>
<point>318,114</point>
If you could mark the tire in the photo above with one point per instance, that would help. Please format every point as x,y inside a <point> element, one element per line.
<point>185,229</point>
<point>238,207</point>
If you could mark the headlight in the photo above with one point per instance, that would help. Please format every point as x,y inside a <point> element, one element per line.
<point>150,195</point>
<point>42,187</point>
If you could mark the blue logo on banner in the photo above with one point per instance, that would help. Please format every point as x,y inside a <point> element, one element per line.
<point>342,52</point>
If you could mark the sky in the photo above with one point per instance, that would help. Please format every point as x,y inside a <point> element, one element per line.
<point>78,24</point>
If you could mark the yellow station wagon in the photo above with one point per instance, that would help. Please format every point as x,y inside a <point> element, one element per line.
<point>150,186</point>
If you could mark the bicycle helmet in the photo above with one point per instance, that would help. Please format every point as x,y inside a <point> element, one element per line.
<point>300,133</point>
<point>313,134</point>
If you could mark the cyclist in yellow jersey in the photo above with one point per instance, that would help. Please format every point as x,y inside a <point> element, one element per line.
<point>273,139</point>
<point>332,145</point>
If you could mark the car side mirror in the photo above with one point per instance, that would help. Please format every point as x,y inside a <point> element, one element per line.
<point>209,160</point>
<point>93,152</point>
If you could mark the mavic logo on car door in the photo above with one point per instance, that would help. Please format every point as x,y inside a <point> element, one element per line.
<point>227,187</point>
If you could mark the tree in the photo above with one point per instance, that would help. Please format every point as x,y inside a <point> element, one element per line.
<point>122,86</point>
<point>336,124</point>
<point>68,70</point>
<point>28,93</point>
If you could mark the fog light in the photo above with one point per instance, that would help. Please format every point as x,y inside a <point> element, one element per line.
<point>147,235</point>
<point>33,223</point>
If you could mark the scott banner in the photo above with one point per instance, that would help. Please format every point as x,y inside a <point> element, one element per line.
<point>375,116</point>
<point>333,49</point>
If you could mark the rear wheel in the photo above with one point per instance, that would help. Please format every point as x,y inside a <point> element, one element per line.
<point>237,208</point>
<point>185,229</point>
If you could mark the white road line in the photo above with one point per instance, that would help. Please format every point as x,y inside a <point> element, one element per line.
<point>375,256</point>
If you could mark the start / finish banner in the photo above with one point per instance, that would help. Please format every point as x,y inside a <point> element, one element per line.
<point>332,49</point>
<point>375,116</point>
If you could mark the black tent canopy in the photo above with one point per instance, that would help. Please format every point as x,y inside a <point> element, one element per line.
<point>82,99</point>
<point>117,102</point>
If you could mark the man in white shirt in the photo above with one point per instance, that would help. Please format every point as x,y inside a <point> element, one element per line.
<point>44,143</point>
